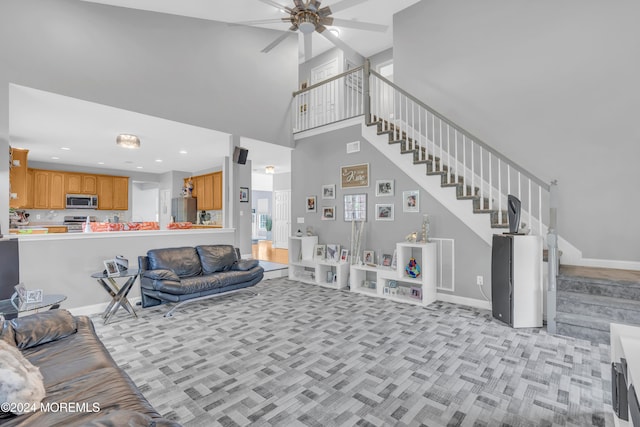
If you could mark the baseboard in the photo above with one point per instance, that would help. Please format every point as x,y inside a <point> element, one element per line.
<point>471,302</point>
<point>275,274</point>
<point>87,310</point>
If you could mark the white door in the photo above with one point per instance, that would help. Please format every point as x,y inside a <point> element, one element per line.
<point>281,218</point>
<point>324,99</point>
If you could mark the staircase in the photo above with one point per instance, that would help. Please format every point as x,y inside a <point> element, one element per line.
<point>588,299</point>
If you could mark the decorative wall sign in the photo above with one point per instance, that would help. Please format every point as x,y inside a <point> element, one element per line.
<point>354,176</point>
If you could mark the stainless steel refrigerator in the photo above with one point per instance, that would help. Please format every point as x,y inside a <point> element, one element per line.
<point>183,209</point>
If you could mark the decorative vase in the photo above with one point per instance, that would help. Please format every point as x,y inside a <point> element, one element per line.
<point>412,269</point>
<point>425,228</point>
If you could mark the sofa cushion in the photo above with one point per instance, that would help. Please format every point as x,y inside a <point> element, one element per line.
<point>228,278</point>
<point>161,275</point>
<point>189,285</point>
<point>245,264</point>
<point>20,382</point>
<point>216,258</point>
<point>183,261</point>
<point>43,327</point>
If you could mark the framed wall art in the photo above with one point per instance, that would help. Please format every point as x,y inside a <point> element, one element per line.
<point>384,187</point>
<point>329,191</point>
<point>384,212</point>
<point>329,213</point>
<point>411,201</point>
<point>354,176</point>
<point>244,194</point>
<point>311,204</point>
<point>355,207</point>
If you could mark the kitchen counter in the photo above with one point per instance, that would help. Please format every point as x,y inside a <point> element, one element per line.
<point>115,234</point>
<point>205,226</point>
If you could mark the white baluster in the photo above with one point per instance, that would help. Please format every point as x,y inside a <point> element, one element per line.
<point>539,210</point>
<point>530,208</point>
<point>500,192</point>
<point>464,165</point>
<point>481,179</point>
<point>473,168</point>
<point>490,182</point>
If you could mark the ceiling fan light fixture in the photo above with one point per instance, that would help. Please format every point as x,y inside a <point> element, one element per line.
<point>125,140</point>
<point>270,169</point>
<point>335,31</point>
<point>306,21</point>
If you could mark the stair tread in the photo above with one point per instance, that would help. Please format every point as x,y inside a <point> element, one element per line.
<point>584,321</point>
<point>631,277</point>
<point>603,300</point>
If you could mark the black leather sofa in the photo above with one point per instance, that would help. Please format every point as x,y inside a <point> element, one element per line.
<point>77,370</point>
<point>188,273</point>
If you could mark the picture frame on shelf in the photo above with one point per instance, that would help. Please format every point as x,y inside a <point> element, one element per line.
<point>111,267</point>
<point>384,187</point>
<point>344,255</point>
<point>368,257</point>
<point>333,252</point>
<point>384,211</point>
<point>392,284</point>
<point>328,213</point>
<point>311,204</point>
<point>34,295</point>
<point>329,191</point>
<point>386,260</point>
<point>416,293</point>
<point>319,252</point>
<point>411,201</point>
<point>244,194</point>
<point>355,207</point>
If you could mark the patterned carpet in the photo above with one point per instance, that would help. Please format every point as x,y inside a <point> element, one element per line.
<point>302,355</point>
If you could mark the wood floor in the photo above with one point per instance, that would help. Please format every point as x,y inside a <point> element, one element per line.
<point>264,251</point>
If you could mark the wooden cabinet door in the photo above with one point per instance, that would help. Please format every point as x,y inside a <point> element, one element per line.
<point>208,193</point>
<point>89,184</point>
<point>18,178</point>
<point>40,189</point>
<point>120,193</point>
<point>217,191</point>
<point>105,192</point>
<point>198,183</point>
<point>73,183</point>
<point>56,190</point>
<point>29,189</point>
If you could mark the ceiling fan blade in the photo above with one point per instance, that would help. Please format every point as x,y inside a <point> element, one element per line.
<point>327,21</point>
<point>308,53</point>
<point>367,26</point>
<point>315,4</point>
<point>275,43</point>
<point>264,21</point>
<point>276,5</point>
<point>325,11</point>
<point>339,43</point>
<point>345,4</point>
<point>299,4</point>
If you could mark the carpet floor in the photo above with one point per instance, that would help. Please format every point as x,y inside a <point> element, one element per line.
<point>303,355</point>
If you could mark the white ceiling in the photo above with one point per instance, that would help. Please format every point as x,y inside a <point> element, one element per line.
<point>44,122</point>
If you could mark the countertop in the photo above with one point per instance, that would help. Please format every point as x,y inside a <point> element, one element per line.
<point>120,234</point>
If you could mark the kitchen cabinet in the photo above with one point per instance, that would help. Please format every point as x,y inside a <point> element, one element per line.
<point>18,178</point>
<point>113,192</point>
<point>217,191</point>
<point>76,183</point>
<point>29,204</point>
<point>40,189</point>
<point>207,189</point>
<point>57,198</point>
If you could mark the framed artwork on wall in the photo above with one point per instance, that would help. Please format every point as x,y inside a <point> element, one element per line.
<point>384,187</point>
<point>329,213</point>
<point>311,204</point>
<point>355,207</point>
<point>244,194</point>
<point>354,176</point>
<point>329,191</point>
<point>384,212</point>
<point>411,201</point>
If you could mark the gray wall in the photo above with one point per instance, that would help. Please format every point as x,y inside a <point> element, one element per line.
<point>282,181</point>
<point>317,161</point>
<point>552,85</point>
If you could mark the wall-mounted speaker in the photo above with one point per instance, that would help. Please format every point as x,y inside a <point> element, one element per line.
<point>240,155</point>
<point>513,213</point>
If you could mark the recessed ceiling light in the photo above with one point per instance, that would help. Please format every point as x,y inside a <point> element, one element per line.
<point>138,167</point>
<point>101,163</point>
<point>128,161</point>
<point>65,148</point>
<point>183,151</point>
<point>55,158</point>
<point>159,160</point>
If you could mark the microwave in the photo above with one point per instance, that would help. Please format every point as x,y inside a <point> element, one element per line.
<point>82,201</point>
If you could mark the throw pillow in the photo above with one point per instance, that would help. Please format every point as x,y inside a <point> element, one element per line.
<point>20,382</point>
<point>41,328</point>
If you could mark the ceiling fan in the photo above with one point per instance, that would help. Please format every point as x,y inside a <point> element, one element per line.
<point>308,17</point>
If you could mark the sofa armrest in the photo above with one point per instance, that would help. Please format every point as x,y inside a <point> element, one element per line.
<point>44,327</point>
<point>161,275</point>
<point>245,264</point>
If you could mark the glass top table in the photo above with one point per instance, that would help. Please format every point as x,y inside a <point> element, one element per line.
<point>118,292</point>
<point>12,306</point>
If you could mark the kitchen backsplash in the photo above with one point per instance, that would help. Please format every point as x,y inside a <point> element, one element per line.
<point>46,216</point>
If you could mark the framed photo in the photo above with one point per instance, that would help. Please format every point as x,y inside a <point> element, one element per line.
<point>244,194</point>
<point>111,267</point>
<point>386,260</point>
<point>318,252</point>
<point>21,291</point>
<point>34,295</point>
<point>329,191</point>
<point>384,212</point>
<point>411,201</point>
<point>384,187</point>
<point>392,284</point>
<point>368,257</point>
<point>354,176</point>
<point>344,255</point>
<point>333,252</point>
<point>416,293</point>
<point>329,213</point>
<point>355,207</point>
<point>311,204</point>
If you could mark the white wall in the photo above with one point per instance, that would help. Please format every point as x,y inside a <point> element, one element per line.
<point>551,84</point>
<point>145,200</point>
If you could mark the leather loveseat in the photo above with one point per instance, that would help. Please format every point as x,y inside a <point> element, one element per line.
<point>181,274</point>
<point>83,385</point>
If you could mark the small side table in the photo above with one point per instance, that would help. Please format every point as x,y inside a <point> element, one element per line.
<point>118,293</point>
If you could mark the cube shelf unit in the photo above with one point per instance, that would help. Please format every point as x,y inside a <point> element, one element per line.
<point>304,268</point>
<point>363,277</point>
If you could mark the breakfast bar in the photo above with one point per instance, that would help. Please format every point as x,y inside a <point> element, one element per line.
<point>63,263</point>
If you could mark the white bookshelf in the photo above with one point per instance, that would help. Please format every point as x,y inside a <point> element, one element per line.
<point>376,281</point>
<point>304,268</point>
